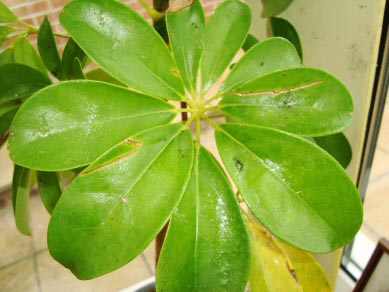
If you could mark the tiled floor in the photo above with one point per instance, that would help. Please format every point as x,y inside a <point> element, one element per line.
<point>376,223</point>
<point>376,204</point>
<point>26,265</point>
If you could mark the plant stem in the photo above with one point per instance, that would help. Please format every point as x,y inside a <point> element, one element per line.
<point>212,99</point>
<point>212,108</point>
<point>198,130</point>
<point>213,124</point>
<point>184,111</point>
<point>154,14</point>
<point>215,116</point>
<point>33,30</point>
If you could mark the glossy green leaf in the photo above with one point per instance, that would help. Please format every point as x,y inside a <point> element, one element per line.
<point>114,208</point>
<point>225,34</point>
<point>266,57</point>
<point>72,52</point>
<point>7,113</point>
<point>48,50</point>
<point>207,246</point>
<point>294,188</point>
<point>50,189</point>
<point>19,81</point>
<point>124,45</point>
<point>100,75</point>
<point>6,15</point>
<point>283,28</point>
<point>22,199</point>
<point>24,53</point>
<point>186,34</point>
<point>274,7</point>
<point>250,41</point>
<point>271,270</point>
<point>4,31</point>
<point>308,270</point>
<point>337,146</point>
<point>70,124</point>
<point>15,183</point>
<point>303,101</point>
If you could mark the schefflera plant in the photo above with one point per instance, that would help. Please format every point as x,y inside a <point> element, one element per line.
<point>142,170</point>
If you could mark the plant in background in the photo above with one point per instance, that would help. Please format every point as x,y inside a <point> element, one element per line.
<point>137,167</point>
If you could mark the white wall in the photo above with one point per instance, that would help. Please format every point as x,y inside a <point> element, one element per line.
<point>342,37</point>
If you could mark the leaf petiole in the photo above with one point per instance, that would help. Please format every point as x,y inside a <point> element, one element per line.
<point>154,14</point>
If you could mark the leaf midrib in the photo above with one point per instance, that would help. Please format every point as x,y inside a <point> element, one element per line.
<point>283,183</point>
<point>79,126</point>
<point>135,58</point>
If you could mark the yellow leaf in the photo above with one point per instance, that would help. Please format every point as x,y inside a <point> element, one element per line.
<point>271,270</point>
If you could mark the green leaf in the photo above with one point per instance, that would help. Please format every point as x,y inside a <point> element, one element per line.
<point>293,187</point>
<point>249,42</point>
<point>15,183</point>
<point>337,146</point>
<point>7,113</point>
<point>50,189</point>
<point>4,31</point>
<point>225,34</point>
<point>271,270</point>
<point>274,7</point>
<point>77,69</point>
<point>114,208</point>
<point>70,124</point>
<point>72,52</point>
<point>100,75</point>
<point>308,270</point>
<point>160,26</point>
<point>266,57</point>
<point>207,246</point>
<point>22,199</point>
<point>124,45</point>
<point>24,53</point>
<point>19,81</point>
<point>303,101</point>
<point>7,56</point>
<point>186,34</point>
<point>48,50</point>
<point>6,15</point>
<point>283,28</point>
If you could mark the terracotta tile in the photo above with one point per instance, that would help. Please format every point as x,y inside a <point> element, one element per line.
<point>380,165</point>
<point>376,206</point>
<point>149,256</point>
<point>19,277</point>
<point>383,138</point>
<point>13,245</point>
<point>6,169</point>
<point>56,278</point>
<point>39,222</point>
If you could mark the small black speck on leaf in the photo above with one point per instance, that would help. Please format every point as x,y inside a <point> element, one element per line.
<point>238,164</point>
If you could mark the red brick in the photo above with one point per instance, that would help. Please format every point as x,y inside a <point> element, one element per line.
<point>59,3</point>
<point>31,9</point>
